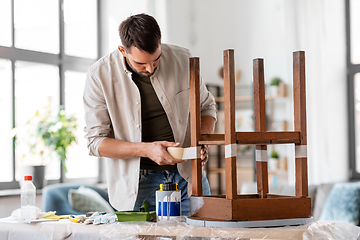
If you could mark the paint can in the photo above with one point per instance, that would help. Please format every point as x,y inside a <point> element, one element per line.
<point>168,202</point>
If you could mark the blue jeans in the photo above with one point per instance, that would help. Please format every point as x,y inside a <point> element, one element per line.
<point>150,180</point>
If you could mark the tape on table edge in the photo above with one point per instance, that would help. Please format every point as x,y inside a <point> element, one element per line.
<point>300,151</point>
<point>191,153</point>
<point>231,150</point>
<point>261,155</point>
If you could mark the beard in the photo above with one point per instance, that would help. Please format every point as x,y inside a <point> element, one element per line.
<point>142,73</point>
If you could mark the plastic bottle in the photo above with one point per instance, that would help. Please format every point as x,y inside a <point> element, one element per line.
<point>28,200</point>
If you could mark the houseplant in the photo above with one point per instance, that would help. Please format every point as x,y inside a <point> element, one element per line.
<point>274,86</point>
<point>44,136</point>
<point>274,160</point>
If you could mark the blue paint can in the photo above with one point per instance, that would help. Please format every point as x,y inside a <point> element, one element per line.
<point>168,202</point>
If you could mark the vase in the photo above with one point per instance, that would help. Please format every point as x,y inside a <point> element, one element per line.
<point>273,163</point>
<point>273,91</point>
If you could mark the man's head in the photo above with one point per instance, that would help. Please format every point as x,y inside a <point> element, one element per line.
<point>140,31</point>
<point>141,43</point>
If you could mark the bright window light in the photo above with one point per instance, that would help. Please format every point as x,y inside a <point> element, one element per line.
<point>80,19</point>
<point>6,144</point>
<point>34,92</point>
<point>5,23</point>
<point>79,163</point>
<point>37,25</point>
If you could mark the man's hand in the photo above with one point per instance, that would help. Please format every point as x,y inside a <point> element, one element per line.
<point>207,127</point>
<point>156,151</point>
<point>204,154</point>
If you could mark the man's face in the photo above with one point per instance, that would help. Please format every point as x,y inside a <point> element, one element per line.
<point>142,62</point>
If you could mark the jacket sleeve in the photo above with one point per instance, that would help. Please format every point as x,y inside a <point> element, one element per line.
<point>207,102</point>
<point>97,119</point>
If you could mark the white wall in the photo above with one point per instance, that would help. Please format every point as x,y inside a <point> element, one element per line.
<point>271,30</point>
<point>321,31</point>
<point>209,27</point>
<point>115,11</point>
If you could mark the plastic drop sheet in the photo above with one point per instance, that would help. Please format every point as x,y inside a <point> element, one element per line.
<point>331,230</point>
<point>180,230</point>
<point>172,229</point>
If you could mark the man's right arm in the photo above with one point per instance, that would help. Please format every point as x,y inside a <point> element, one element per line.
<point>118,149</point>
<point>98,131</point>
<point>156,151</point>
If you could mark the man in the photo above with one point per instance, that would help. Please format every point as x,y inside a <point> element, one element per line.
<point>136,103</point>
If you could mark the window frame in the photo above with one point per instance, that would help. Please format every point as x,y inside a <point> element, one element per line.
<point>352,70</point>
<point>64,63</point>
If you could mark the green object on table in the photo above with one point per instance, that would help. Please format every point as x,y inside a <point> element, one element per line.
<point>125,216</point>
<point>144,207</point>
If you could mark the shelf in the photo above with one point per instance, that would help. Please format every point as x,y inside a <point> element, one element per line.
<point>239,170</point>
<point>247,170</point>
<point>278,171</point>
<point>244,99</point>
<point>247,99</point>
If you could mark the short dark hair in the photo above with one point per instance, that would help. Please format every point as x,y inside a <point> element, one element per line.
<point>141,31</point>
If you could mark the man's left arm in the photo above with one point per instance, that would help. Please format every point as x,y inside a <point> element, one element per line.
<point>208,118</point>
<point>207,127</point>
<point>207,102</point>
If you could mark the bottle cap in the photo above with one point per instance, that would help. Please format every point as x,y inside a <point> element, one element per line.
<point>28,178</point>
<point>168,186</point>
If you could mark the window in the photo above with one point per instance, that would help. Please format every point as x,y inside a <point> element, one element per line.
<point>354,31</point>
<point>44,57</point>
<point>80,28</point>
<point>5,23</point>
<point>78,155</point>
<point>6,173</point>
<point>353,64</point>
<point>34,92</point>
<point>39,30</point>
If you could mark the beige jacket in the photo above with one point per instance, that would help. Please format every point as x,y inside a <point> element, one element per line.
<point>113,110</point>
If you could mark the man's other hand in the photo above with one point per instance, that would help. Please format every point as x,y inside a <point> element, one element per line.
<point>204,154</point>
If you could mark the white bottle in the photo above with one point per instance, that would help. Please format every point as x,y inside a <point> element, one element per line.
<point>28,199</point>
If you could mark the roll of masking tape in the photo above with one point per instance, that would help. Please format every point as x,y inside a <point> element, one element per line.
<point>184,153</point>
<point>176,152</point>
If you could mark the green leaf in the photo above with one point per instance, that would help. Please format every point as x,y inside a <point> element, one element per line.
<point>56,133</point>
<point>275,81</point>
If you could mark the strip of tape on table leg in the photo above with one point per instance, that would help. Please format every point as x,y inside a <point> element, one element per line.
<point>192,153</point>
<point>300,151</point>
<point>261,155</point>
<point>231,150</point>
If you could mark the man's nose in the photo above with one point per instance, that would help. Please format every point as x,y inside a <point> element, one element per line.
<point>149,68</point>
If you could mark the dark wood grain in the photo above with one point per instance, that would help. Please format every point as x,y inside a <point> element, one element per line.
<point>230,131</point>
<point>196,170</point>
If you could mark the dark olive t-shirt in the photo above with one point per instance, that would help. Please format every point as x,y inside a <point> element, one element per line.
<point>155,124</point>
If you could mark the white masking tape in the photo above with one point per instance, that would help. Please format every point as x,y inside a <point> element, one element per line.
<point>300,151</point>
<point>231,150</point>
<point>261,155</point>
<point>192,153</point>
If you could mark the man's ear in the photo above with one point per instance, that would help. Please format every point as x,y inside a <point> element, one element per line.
<point>122,50</point>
